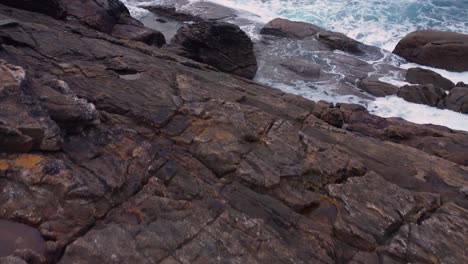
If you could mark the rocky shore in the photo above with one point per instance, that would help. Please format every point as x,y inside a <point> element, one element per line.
<point>116,148</point>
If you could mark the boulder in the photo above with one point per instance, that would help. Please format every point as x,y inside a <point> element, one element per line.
<point>377,88</point>
<point>339,41</point>
<point>304,69</point>
<point>456,100</point>
<point>222,45</point>
<point>446,50</point>
<point>423,76</point>
<point>422,94</point>
<point>289,29</point>
<point>131,29</point>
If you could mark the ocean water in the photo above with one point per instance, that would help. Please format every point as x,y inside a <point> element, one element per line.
<point>373,22</point>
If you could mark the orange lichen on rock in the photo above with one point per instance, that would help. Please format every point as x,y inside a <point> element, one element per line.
<point>28,161</point>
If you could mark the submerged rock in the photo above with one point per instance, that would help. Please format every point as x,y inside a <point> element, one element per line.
<point>289,29</point>
<point>446,50</point>
<point>222,45</point>
<point>377,88</point>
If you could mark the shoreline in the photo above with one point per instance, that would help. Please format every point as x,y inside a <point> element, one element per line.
<point>319,90</point>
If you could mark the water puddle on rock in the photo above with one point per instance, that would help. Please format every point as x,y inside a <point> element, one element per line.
<point>130,77</point>
<point>325,212</point>
<point>14,236</point>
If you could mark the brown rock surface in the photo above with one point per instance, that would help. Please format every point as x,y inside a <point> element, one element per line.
<point>446,50</point>
<point>378,88</point>
<point>423,76</point>
<point>190,165</point>
<point>422,94</point>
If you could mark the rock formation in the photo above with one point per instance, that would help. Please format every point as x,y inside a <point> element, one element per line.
<point>114,151</point>
<point>446,50</point>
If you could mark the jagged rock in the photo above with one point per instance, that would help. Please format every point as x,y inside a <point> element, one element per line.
<point>436,238</point>
<point>304,69</point>
<point>377,88</point>
<point>446,50</point>
<point>456,100</point>
<point>289,29</point>
<point>24,125</point>
<point>422,94</point>
<point>62,104</point>
<point>221,45</point>
<point>368,217</point>
<point>423,76</point>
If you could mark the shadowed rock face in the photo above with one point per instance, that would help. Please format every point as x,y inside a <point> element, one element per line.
<point>222,45</point>
<point>446,50</point>
<point>191,165</point>
<point>108,16</point>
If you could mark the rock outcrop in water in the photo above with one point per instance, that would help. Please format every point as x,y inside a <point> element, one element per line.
<point>127,153</point>
<point>446,50</point>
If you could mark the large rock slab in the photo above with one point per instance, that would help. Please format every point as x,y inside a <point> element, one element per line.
<point>222,45</point>
<point>446,50</point>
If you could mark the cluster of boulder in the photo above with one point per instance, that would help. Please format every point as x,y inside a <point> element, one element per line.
<point>426,87</point>
<point>113,151</point>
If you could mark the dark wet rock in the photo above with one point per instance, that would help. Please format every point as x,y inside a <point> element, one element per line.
<point>193,165</point>
<point>304,69</point>
<point>289,29</point>
<point>377,88</point>
<point>423,76</point>
<point>446,50</point>
<point>422,94</point>
<point>137,32</point>
<point>456,100</point>
<point>102,15</point>
<point>108,16</point>
<point>299,30</point>
<point>22,240</point>
<point>339,41</point>
<point>54,8</point>
<point>222,45</point>
<point>182,10</point>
